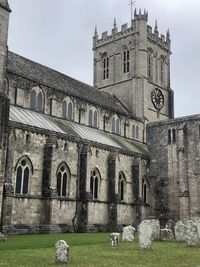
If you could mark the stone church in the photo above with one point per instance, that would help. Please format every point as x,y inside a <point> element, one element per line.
<point>75,157</point>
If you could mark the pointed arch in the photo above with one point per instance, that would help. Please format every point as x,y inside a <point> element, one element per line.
<point>126,59</point>
<point>23,169</point>
<point>161,68</point>
<point>93,117</point>
<point>68,108</point>
<point>95,178</point>
<point>37,99</point>
<point>115,124</point>
<point>145,189</point>
<point>121,185</point>
<point>105,65</point>
<point>150,64</point>
<point>63,176</point>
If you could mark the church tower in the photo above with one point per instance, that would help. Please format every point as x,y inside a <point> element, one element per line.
<point>134,65</point>
<point>4,100</point>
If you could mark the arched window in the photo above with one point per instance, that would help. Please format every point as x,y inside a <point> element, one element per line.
<point>67,109</point>
<point>150,64</point>
<point>22,176</point>
<point>115,125</point>
<point>90,117</point>
<point>145,190</point>
<point>105,60</point>
<point>40,102</point>
<point>93,118</point>
<point>37,99</point>
<point>162,64</point>
<point>63,176</point>
<point>70,111</point>
<point>94,183</point>
<point>121,186</point>
<point>133,131</point>
<point>137,132</point>
<point>33,99</point>
<point>126,61</point>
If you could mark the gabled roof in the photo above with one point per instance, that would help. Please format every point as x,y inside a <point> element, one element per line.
<point>28,118</point>
<point>46,76</point>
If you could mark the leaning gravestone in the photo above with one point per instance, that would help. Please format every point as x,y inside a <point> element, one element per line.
<point>192,238</point>
<point>128,233</point>
<point>3,238</point>
<point>62,252</point>
<point>145,234</point>
<point>155,229</point>
<point>166,234</point>
<point>180,231</point>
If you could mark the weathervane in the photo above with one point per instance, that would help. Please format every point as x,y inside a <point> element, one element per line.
<point>132,3</point>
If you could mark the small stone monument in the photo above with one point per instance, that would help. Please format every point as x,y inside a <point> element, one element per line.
<point>114,238</point>
<point>192,238</point>
<point>3,238</point>
<point>62,252</point>
<point>128,233</point>
<point>145,234</point>
<point>155,229</point>
<point>170,225</point>
<point>198,227</point>
<point>166,234</point>
<point>180,231</point>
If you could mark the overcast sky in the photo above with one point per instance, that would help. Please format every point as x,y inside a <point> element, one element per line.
<point>59,34</point>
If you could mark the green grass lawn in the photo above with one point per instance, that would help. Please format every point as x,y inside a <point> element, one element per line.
<point>94,250</point>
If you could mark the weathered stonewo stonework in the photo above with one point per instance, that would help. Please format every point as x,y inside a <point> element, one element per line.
<point>92,171</point>
<point>174,167</point>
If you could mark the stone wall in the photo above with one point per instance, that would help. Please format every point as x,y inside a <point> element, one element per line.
<point>174,167</point>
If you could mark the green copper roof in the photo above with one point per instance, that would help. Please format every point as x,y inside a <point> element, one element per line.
<point>31,118</point>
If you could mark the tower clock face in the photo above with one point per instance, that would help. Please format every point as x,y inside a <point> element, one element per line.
<point>157,98</point>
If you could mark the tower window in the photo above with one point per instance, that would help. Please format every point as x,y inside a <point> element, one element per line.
<point>105,67</point>
<point>126,61</point>
<point>174,135</point>
<point>171,136</point>
<point>150,65</point>
<point>162,69</point>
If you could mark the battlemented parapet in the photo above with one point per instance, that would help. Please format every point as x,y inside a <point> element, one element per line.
<point>161,40</point>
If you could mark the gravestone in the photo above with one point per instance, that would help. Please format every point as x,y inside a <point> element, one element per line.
<point>3,238</point>
<point>128,233</point>
<point>198,227</point>
<point>155,229</point>
<point>114,238</point>
<point>166,234</point>
<point>170,225</point>
<point>180,231</point>
<point>192,238</point>
<point>145,234</point>
<point>62,252</point>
